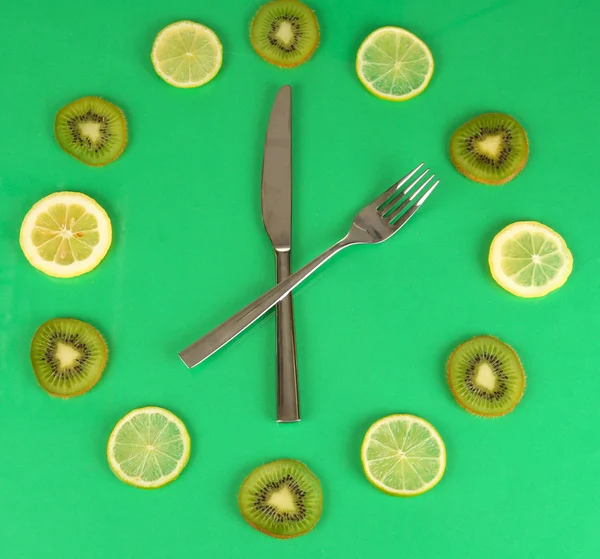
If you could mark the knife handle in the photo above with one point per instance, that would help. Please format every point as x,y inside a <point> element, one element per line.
<point>208,344</point>
<point>287,368</point>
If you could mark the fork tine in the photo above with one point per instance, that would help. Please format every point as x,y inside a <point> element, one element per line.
<point>412,210</point>
<point>389,204</point>
<point>424,197</point>
<point>381,200</point>
<point>395,212</point>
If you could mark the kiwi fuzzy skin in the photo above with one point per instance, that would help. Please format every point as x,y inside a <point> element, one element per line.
<point>455,394</point>
<point>262,530</point>
<point>475,178</point>
<point>125,132</point>
<point>280,64</point>
<point>81,392</point>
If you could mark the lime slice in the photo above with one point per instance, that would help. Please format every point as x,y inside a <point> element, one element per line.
<point>403,455</point>
<point>529,259</point>
<point>187,54</point>
<point>66,234</point>
<point>148,448</point>
<point>394,64</point>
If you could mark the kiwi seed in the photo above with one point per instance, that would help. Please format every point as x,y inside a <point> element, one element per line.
<point>282,499</point>
<point>68,356</point>
<point>491,148</point>
<point>91,130</point>
<point>486,376</point>
<point>285,33</point>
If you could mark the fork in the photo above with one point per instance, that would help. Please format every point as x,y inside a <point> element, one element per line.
<point>374,224</point>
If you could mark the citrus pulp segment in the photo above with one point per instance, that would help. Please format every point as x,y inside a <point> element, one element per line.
<point>148,448</point>
<point>187,54</point>
<point>394,64</point>
<point>66,234</point>
<point>403,455</point>
<point>529,259</point>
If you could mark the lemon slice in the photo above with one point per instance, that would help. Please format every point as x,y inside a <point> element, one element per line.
<point>187,54</point>
<point>403,455</point>
<point>66,234</point>
<point>529,259</point>
<point>393,64</point>
<point>148,448</point>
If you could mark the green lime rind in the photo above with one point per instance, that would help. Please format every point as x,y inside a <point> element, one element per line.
<point>148,448</point>
<point>403,455</point>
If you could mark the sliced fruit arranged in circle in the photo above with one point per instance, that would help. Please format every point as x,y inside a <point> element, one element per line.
<point>529,259</point>
<point>68,356</point>
<point>92,130</point>
<point>187,54</point>
<point>403,455</point>
<point>486,376</point>
<point>282,499</point>
<point>491,148</point>
<point>394,64</point>
<point>66,234</point>
<point>148,448</point>
<point>285,33</point>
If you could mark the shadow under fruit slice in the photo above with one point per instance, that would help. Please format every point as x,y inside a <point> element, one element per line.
<point>490,149</point>
<point>68,356</point>
<point>486,376</point>
<point>65,234</point>
<point>282,499</point>
<point>92,130</point>
<point>285,33</point>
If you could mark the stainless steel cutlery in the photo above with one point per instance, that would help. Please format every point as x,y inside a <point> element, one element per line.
<point>276,203</point>
<point>375,223</point>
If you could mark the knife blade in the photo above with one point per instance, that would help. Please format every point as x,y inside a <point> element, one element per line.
<point>276,204</point>
<point>276,188</point>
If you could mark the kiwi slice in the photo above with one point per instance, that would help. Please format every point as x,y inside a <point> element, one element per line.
<point>91,130</point>
<point>282,499</point>
<point>486,376</point>
<point>491,148</point>
<point>68,356</point>
<point>285,33</point>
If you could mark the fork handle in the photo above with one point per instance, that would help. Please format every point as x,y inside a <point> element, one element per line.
<point>287,368</point>
<point>221,335</point>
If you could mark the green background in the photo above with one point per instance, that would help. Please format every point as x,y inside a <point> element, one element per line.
<point>374,329</point>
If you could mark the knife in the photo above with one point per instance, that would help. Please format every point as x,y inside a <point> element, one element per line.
<point>276,203</point>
